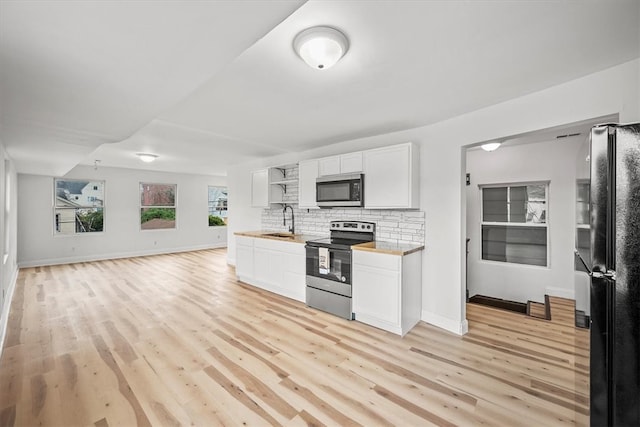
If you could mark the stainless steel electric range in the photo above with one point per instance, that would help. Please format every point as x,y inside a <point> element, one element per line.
<point>329,266</point>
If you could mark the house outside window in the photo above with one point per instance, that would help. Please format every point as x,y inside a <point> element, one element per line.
<point>78,206</point>
<point>217,201</point>
<point>157,206</point>
<point>514,223</point>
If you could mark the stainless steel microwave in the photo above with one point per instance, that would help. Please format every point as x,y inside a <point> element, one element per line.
<point>344,190</point>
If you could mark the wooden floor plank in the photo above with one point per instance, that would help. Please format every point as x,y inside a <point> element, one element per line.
<point>177,340</point>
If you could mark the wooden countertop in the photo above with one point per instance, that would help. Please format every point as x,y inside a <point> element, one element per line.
<point>267,234</point>
<point>390,248</point>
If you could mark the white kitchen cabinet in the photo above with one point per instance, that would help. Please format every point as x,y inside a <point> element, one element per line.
<point>392,177</point>
<point>244,258</point>
<point>351,162</point>
<point>307,174</point>
<point>268,265</point>
<point>387,290</point>
<point>329,166</point>
<point>260,188</point>
<point>344,163</point>
<point>276,266</point>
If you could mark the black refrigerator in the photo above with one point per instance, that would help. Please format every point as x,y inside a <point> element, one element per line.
<point>614,261</point>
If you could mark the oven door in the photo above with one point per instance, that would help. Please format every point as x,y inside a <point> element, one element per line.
<point>337,268</point>
<point>340,190</point>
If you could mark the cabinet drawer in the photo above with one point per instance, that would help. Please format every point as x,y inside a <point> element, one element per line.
<point>244,241</point>
<point>278,245</point>
<point>374,260</point>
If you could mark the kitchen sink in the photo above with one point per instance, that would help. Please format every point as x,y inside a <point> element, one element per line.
<point>281,235</point>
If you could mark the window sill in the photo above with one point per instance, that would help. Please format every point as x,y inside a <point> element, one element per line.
<point>514,264</point>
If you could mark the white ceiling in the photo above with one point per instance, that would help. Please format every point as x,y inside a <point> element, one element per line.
<point>206,84</point>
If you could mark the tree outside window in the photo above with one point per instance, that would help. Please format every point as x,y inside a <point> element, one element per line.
<point>78,206</point>
<point>217,206</point>
<point>157,206</point>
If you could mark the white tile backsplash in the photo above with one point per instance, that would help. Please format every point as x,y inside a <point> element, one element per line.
<point>316,221</point>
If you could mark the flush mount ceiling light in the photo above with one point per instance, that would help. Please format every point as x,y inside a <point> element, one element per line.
<point>147,157</point>
<point>321,47</point>
<point>492,146</point>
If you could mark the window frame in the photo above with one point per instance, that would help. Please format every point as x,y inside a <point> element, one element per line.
<point>103,207</point>
<point>545,224</point>
<point>174,207</point>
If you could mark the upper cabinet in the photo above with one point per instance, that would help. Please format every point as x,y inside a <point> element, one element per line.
<point>345,163</point>
<point>351,162</point>
<point>307,174</point>
<point>392,177</point>
<point>260,188</point>
<point>329,166</point>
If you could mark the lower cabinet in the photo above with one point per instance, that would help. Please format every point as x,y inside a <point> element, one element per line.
<point>244,258</point>
<point>387,290</point>
<point>272,265</point>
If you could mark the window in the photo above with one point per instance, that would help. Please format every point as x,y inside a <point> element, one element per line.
<point>157,206</point>
<point>78,206</point>
<point>582,202</point>
<point>217,206</point>
<point>583,232</point>
<point>514,223</point>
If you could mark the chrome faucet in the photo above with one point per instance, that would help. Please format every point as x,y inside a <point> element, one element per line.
<point>292,229</point>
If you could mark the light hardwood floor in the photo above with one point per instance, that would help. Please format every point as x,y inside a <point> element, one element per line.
<point>176,340</point>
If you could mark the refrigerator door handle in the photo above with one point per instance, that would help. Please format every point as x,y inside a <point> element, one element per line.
<point>610,274</point>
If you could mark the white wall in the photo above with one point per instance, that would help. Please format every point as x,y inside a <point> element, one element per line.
<point>37,244</point>
<point>552,161</point>
<point>442,170</point>
<point>8,266</point>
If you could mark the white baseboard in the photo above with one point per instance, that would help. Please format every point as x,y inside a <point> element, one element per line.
<point>4,318</point>
<point>101,257</point>
<point>553,291</point>
<point>458,328</point>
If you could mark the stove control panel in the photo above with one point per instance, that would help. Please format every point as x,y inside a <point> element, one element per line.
<point>360,226</point>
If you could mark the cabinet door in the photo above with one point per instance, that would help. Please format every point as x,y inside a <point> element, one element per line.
<point>261,265</point>
<point>351,162</point>
<point>307,174</point>
<point>376,296</point>
<point>388,177</point>
<point>244,257</point>
<point>260,188</point>
<point>294,274</point>
<point>377,286</point>
<point>268,267</point>
<point>329,166</point>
